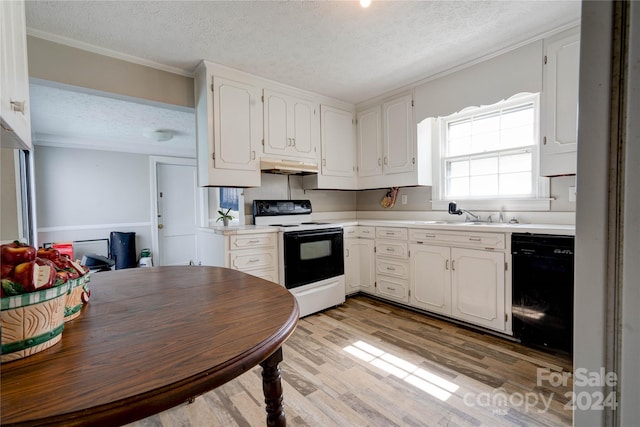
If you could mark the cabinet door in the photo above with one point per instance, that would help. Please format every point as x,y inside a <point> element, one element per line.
<point>560,106</point>
<point>276,126</point>
<point>359,271</point>
<point>290,126</point>
<point>398,135</point>
<point>14,79</point>
<point>236,125</point>
<point>430,278</point>
<point>338,146</point>
<point>305,128</point>
<point>367,265</point>
<point>369,142</point>
<point>351,267</point>
<point>477,287</point>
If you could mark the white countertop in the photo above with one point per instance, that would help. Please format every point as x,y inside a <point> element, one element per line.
<point>561,229</point>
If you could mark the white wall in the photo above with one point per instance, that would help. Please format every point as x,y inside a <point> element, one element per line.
<point>290,187</point>
<point>86,194</point>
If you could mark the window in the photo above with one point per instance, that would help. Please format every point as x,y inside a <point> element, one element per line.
<point>489,155</point>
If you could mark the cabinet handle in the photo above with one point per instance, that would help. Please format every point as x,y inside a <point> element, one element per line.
<point>390,250</point>
<point>254,260</point>
<point>446,264</point>
<point>391,268</point>
<point>390,233</point>
<point>475,239</point>
<point>390,288</point>
<point>351,231</point>
<point>365,231</point>
<point>379,161</point>
<point>253,155</point>
<point>293,142</point>
<point>347,255</point>
<point>430,235</point>
<point>453,265</point>
<point>386,161</point>
<point>18,106</point>
<point>324,162</point>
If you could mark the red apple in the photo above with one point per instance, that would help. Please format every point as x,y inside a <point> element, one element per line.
<point>49,253</point>
<point>16,253</point>
<point>35,275</point>
<point>5,271</point>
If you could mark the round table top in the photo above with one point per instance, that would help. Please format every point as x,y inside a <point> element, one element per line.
<point>149,339</point>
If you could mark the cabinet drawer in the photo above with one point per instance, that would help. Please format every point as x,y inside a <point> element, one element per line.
<point>270,274</point>
<point>392,267</point>
<point>250,260</point>
<point>397,289</point>
<point>391,233</point>
<point>247,241</point>
<point>351,231</point>
<point>366,231</point>
<point>464,239</point>
<point>392,249</point>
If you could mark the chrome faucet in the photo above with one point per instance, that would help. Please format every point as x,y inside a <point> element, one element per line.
<point>453,210</point>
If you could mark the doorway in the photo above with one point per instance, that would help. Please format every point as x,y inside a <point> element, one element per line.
<point>176,203</point>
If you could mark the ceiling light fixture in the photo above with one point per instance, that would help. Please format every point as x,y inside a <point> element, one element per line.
<point>365,3</point>
<point>159,135</point>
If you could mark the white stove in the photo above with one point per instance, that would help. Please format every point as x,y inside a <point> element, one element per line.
<point>311,253</point>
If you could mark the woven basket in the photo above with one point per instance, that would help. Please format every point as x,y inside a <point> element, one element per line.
<point>74,300</point>
<point>32,322</point>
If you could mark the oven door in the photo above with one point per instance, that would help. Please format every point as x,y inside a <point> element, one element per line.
<point>312,255</point>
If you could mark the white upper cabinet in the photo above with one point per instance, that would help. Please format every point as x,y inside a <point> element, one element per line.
<point>337,135</point>
<point>15,105</point>
<point>291,126</point>
<point>398,136</point>
<point>559,115</point>
<point>369,142</point>
<point>389,153</point>
<point>229,131</point>
<point>338,151</point>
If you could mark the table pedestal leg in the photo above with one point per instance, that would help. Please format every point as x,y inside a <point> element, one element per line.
<point>272,388</point>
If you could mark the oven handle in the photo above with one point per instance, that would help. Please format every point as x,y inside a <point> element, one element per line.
<point>313,233</point>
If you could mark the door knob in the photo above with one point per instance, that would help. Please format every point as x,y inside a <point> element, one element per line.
<point>160,226</point>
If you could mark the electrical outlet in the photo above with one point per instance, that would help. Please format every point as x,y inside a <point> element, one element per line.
<point>572,194</point>
<point>404,199</point>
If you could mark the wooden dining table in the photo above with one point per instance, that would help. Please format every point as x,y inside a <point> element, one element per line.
<point>150,339</point>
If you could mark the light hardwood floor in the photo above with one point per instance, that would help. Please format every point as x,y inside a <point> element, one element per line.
<point>368,363</point>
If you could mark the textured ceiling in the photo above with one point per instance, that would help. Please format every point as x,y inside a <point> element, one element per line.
<point>335,48</point>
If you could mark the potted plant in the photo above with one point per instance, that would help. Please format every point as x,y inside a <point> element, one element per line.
<point>224,217</point>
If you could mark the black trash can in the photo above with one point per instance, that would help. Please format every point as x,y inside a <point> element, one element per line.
<point>123,249</point>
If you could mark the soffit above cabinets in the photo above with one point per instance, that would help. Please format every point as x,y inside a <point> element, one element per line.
<point>79,119</point>
<point>335,48</point>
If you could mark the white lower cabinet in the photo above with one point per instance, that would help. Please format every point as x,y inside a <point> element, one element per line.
<point>430,278</point>
<point>477,287</point>
<point>463,283</point>
<point>359,273</point>
<point>392,265</point>
<point>252,253</point>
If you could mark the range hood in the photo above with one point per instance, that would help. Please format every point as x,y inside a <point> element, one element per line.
<point>288,167</point>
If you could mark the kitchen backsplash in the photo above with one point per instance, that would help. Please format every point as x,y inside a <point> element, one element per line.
<point>418,198</point>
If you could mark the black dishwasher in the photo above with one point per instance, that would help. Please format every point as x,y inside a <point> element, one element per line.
<point>543,290</point>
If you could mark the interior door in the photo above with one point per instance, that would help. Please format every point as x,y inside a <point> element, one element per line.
<point>177,219</point>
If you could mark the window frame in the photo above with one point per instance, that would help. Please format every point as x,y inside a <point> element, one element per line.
<point>537,201</point>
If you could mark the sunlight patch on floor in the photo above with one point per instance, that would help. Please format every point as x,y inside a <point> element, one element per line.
<point>418,377</point>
